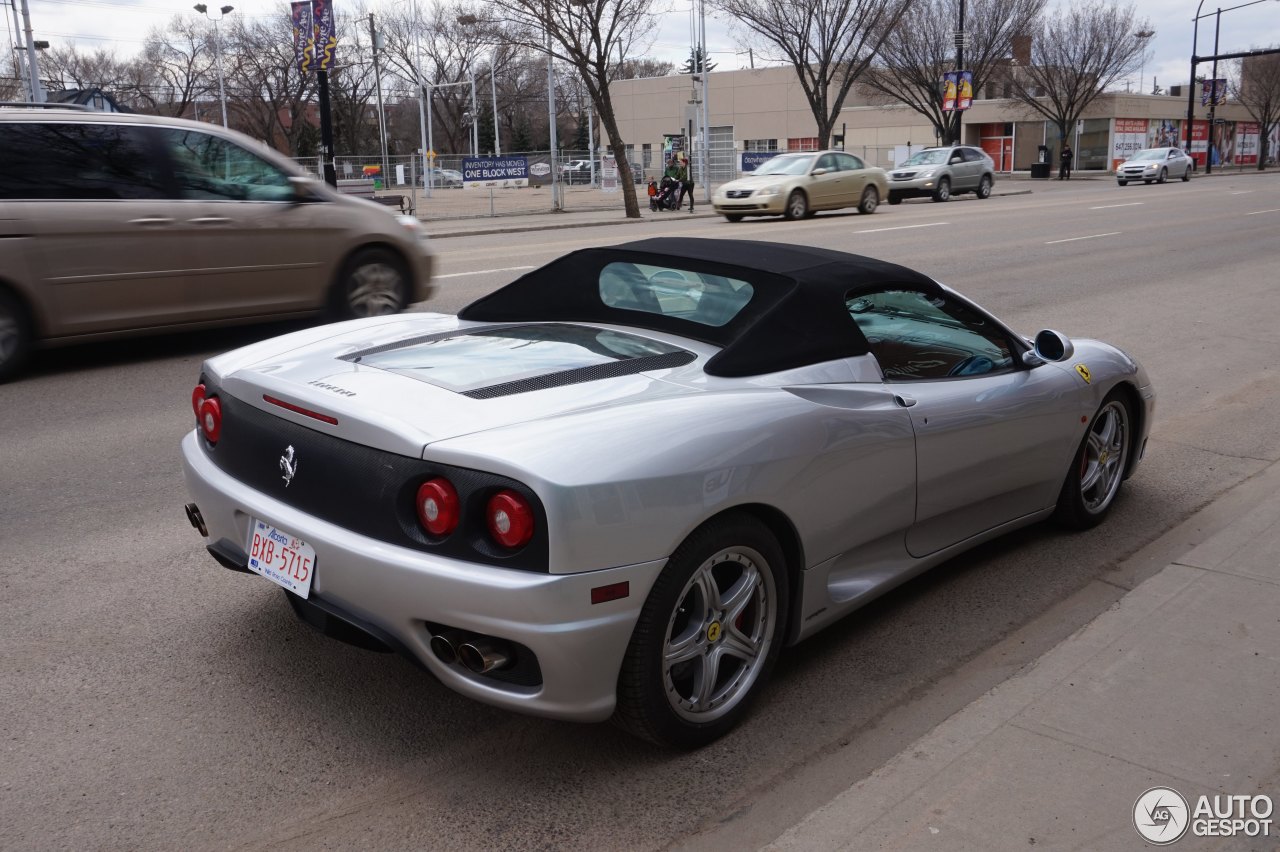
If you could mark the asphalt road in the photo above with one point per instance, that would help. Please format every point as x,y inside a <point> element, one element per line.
<point>154,700</point>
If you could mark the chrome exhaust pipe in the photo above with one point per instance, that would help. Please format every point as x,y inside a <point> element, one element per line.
<point>445,645</point>
<point>484,654</point>
<point>196,519</point>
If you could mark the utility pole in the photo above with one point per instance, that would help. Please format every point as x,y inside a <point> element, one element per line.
<point>551,129</point>
<point>960,38</point>
<point>33,68</point>
<point>1213,98</point>
<point>382,117</point>
<point>706,122</point>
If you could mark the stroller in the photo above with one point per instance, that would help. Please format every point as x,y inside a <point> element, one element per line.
<point>665,195</point>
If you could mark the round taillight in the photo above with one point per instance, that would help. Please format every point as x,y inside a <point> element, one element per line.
<point>510,519</point>
<point>211,419</point>
<point>438,506</point>
<point>197,397</point>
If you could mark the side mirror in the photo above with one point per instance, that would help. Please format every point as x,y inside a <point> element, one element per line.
<point>302,189</point>
<point>1053,346</point>
<point>817,172</point>
<point>956,159</point>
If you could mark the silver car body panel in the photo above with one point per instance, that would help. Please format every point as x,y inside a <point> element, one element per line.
<point>873,482</point>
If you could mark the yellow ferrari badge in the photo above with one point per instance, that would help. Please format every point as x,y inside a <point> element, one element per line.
<point>713,631</point>
<point>1084,372</point>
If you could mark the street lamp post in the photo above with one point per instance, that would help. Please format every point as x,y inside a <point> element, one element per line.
<point>468,21</point>
<point>1143,36</point>
<point>217,52</point>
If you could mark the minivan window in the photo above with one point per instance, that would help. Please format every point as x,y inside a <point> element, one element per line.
<point>210,167</point>
<point>67,161</point>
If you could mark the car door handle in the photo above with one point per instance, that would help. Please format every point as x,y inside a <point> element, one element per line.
<point>151,220</point>
<point>211,220</point>
<point>904,400</point>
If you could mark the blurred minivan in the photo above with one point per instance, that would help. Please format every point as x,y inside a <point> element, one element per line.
<point>114,224</point>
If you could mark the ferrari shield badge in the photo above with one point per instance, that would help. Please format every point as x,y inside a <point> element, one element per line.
<point>1084,372</point>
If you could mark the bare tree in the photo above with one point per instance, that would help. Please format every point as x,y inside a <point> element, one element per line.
<point>587,35</point>
<point>69,67</point>
<point>268,95</point>
<point>1257,88</point>
<point>450,52</point>
<point>1077,53</point>
<point>829,43</point>
<point>631,69</point>
<point>920,50</point>
<point>175,68</point>
<point>352,86</point>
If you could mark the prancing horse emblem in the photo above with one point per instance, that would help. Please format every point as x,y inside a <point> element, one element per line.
<point>289,465</point>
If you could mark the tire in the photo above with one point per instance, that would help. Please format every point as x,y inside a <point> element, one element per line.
<point>1147,182</point>
<point>733,217</point>
<point>1098,467</point>
<point>984,187</point>
<point>797,206</point>
<point>1123,182</point>
<point>894,200</point>
<point>943,192</point>
<point>1186,176</point>
<point>870,200</point>
<point>373,283</point>
<point>16,336</point>
<point>685,616</point>
<point>1164,176</point>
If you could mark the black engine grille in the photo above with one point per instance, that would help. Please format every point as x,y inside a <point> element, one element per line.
<point>368,491</point>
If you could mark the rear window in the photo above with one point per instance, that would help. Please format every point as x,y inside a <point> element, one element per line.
<point>700,297</point>
<point>59,160</point>
<point>470,360</point>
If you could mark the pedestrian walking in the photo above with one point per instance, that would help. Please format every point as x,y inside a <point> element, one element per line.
<point>1064,162</point>
<point>677,172</point>
<point>686,185</point>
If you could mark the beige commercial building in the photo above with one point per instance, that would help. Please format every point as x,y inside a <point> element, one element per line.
<point>764,109</point>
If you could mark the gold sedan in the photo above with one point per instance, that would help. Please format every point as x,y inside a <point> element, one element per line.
<point>798,185</point>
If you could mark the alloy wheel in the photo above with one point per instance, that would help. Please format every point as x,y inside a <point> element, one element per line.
<point>719,635</point>
<point>375,290</point>
<point>1106,453</point>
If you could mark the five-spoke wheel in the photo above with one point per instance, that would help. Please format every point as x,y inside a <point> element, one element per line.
<point>707,636</point>
<point>1099,466</point>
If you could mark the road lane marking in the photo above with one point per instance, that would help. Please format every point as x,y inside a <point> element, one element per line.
<point>1109,206</point>
<point>902,228</point>
<point>487,271</point>
<point>1256,212</point>
<point>1242,192</point>
<point>1090,237</point>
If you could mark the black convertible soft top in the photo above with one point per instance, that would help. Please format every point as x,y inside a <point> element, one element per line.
<point>796,316</point>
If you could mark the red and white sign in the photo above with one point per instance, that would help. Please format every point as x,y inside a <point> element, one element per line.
<point>1199,141</point>
<point>1247,135</point>
<point>1130,137</point>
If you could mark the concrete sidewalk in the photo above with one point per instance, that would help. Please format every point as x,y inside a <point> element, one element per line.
<point>1175,686</point>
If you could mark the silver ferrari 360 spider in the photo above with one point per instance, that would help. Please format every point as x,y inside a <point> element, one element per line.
<point>618,486</point>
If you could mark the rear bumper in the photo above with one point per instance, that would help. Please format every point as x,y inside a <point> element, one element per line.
<point>397,592</point>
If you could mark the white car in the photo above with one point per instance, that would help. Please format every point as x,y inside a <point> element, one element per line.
<point>1155,164</point>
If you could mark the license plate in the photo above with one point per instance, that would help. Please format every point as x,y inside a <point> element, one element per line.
<point>282,558</point>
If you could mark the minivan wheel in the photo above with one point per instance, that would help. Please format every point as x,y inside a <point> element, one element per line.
<point>373,284</point>
<point>984,187</point>
<point>15,336</point>
<point>943,192</point>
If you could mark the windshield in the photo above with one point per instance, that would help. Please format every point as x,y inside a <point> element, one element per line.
<point>1149,154</point>
<point>787,164</point>
<point>931,157</point>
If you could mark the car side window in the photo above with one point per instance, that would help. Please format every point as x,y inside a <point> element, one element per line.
<point>971,155</point>
<point>849,163</point>
<point>210,167</point>
<point>828,162</point>
<point>922,336</point>
<point>67,161</point>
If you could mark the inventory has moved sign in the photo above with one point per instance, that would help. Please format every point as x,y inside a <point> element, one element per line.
<point>495,172</point>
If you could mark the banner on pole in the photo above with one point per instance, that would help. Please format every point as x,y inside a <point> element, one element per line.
<point>303,35</point>
<point>326,34</point>
<point>964,99</point>
<point>1213,91</point>
<point>950,90</point>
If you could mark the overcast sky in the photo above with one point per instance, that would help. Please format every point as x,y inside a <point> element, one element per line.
<point>122,24</point>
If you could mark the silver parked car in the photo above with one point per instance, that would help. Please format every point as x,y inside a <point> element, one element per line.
<point>116,224</point>
<point>1155,165</point>
<point>940,173</point>
<point>621,484</point>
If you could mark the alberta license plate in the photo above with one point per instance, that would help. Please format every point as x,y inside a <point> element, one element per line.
<point>281,558</point>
